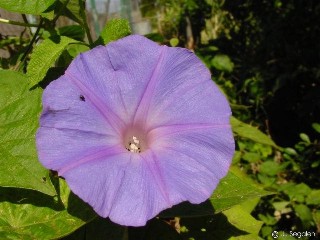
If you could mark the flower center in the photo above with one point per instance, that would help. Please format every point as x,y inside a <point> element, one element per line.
<point>134,145</point>
<point>135,139</point>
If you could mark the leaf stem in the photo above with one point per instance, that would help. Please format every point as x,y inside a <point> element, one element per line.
<point>6,21</point>
<point>33,40</point>
<point>60,11</point>
<point>85,23</point>
<point>24,17</point>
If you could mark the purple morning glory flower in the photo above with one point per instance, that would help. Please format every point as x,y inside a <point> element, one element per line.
<point>136,128</point>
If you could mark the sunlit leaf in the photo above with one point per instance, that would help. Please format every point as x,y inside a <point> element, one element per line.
<point>44,56</point>
<point>304,213</point>
<point>304,137</point>
<point>35,7</point>
<point>19,112</point>
<point>244,130</point>
<point>114,30</point>
<point>243,220</point>
<point>234,189</point>
<point>174,42</point>
<point>31,215</point>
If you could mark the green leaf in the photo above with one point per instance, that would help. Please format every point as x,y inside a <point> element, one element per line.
<point>304,137</point>
<point>250,204</point>
<point>291,151</point>
<point>270,168</point>
<point>241,219</point>
<point>313,197</point>
<point>235,223</point>
<point>174,42</point>
<point>316,126</point>
<point>72,31</point>
<point>35,7</point>
<point>296,192</point>
<point>280,205</point>
<point>267,219</point>
<point>285,236</point>
<point>222,62</point>
<point>114,30</point>
<point>75,49</point>
<point>247,131</point>
<point>19,113</point>
<point>316,217</point>
<point>236,157</point>
<point>251,157</point>
<point>215,227</point>
<point>30,215</point>
<point>305,214</point>
<point>44,56</point>
<point>73,10</point>
<point>232,190</point>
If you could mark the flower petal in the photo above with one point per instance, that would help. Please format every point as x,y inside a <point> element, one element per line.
<point>185,93</point>
<point>193,161</point>
<point>126,191</point>
<point>71,124</point>
<point>119,73</point>
<point>159,94</point>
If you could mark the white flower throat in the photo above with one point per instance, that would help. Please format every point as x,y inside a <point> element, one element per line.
<point>134,145</point>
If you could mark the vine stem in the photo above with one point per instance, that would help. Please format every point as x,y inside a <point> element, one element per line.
<point>6,21</point>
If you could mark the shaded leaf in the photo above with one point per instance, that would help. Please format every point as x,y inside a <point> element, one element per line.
<point>156,229</point>
<point>296,192</point>
<point>35,7</point>
<point>73,10</point>
<point>314,197</point>
<point>215,227</point>
<point>19,112</point>
<point>99,228</point>
<point>316,217</point>
<point>75,49</point>
<point>222,62</point>
<point>44,56</point>
<point>316,126</point>
<point>72,31</point>
<point>247,131</point>
<point>30,215</point>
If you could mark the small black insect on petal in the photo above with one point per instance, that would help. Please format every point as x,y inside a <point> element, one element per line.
<point>82,98</point>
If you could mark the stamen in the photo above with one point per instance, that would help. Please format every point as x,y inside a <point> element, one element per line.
<point>134,145</point>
